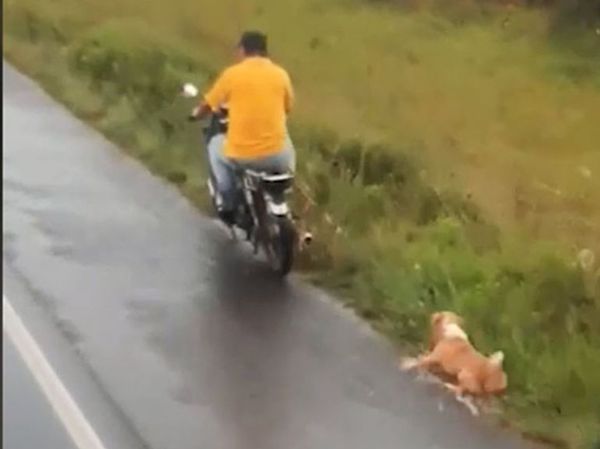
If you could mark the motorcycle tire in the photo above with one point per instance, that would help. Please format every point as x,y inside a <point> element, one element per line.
<point>282,245</point>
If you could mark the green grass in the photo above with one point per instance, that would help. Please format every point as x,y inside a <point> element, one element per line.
<point>432,152</point>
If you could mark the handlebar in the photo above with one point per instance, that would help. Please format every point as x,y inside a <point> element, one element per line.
<point>188,90</point>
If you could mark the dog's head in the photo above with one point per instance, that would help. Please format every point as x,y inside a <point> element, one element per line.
<point>440,319</point>
<point>496,380</point>
<point>454,331</point>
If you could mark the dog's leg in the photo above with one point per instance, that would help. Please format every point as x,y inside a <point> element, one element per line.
<point>468,383</point>
<point>424,361</point>
<point>453,388</point>
<point>467,401</point>
<point>408,363</point>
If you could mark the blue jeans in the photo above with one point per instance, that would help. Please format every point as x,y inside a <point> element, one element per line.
<point>223,167</point>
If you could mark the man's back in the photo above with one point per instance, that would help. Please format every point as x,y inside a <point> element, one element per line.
<point>258,93</point>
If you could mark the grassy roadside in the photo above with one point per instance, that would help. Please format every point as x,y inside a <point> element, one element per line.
<point>396,246</point>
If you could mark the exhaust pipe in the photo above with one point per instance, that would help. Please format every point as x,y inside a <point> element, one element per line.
<point>306,239</point>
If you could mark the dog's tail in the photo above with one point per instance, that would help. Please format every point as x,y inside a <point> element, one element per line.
<point>497,358</point>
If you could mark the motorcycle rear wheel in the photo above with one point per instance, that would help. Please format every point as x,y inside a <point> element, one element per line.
<point>281,245</point>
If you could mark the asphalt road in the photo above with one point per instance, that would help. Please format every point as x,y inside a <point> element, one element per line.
<point>27,418</point>
<point>168,335</point>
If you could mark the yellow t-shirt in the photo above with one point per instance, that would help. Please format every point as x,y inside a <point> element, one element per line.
<point>258,94</point>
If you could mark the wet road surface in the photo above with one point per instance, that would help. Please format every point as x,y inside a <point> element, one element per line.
<point>168,335</point>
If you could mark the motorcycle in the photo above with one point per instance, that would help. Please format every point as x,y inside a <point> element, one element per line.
<point>261,210</point>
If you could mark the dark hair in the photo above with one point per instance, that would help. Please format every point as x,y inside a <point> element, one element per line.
<point>254,43</point>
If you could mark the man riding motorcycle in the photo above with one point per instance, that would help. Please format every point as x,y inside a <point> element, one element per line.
<point>259,96</point>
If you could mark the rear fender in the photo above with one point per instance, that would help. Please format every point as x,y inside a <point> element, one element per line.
<point>277,208</point>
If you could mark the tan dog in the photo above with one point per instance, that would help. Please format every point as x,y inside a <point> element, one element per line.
<point>454,356</point>
<point>475,374</point>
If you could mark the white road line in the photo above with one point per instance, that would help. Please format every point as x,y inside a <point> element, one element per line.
<point>78,428</point>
